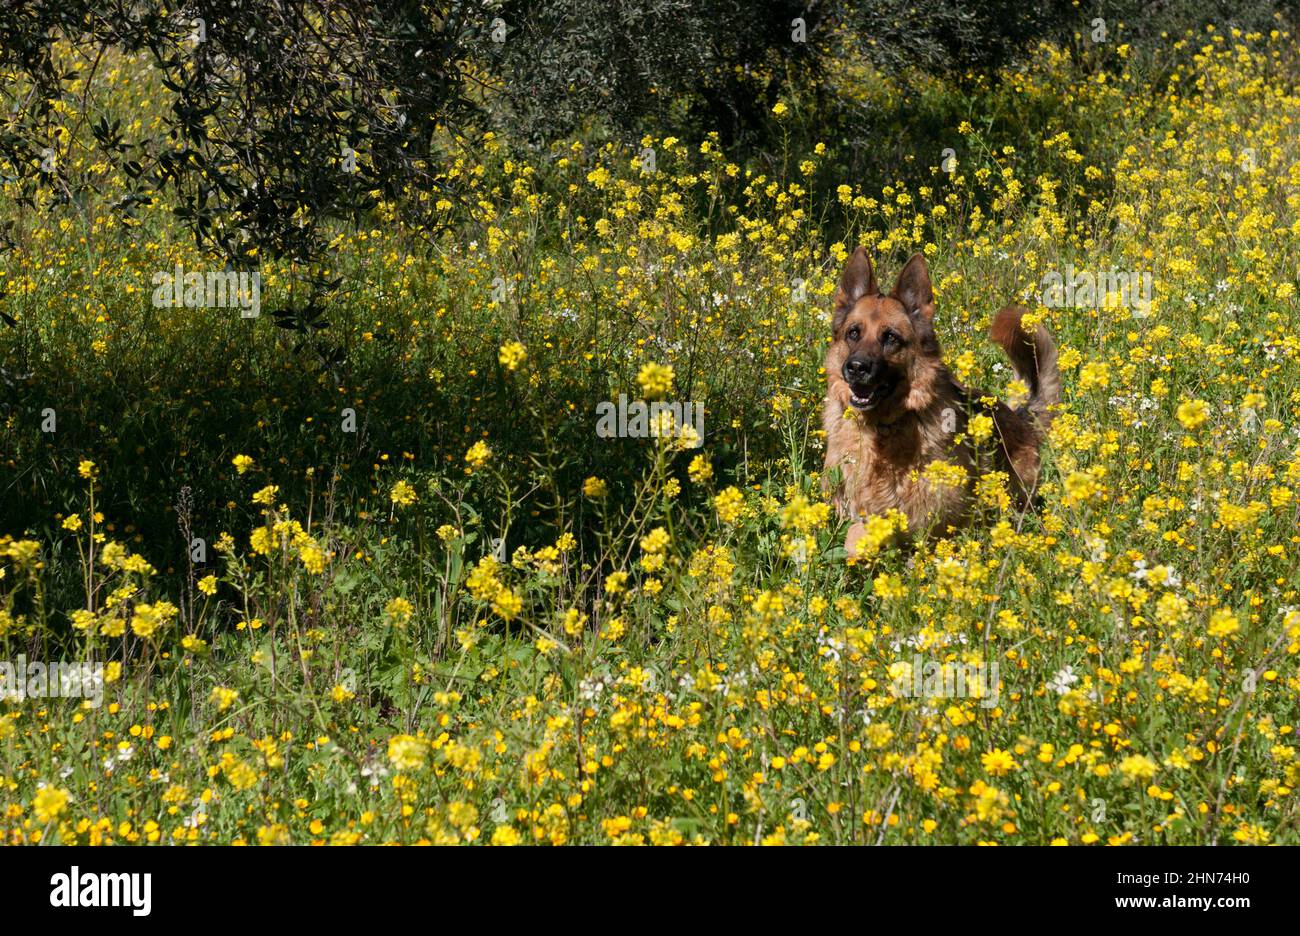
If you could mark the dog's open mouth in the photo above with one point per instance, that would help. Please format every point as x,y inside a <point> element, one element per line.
<point>868,398</point>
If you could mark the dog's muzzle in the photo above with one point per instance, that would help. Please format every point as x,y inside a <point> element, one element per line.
<point>867,380</point>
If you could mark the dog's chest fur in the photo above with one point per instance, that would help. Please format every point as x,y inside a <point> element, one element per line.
<point>882,466</point>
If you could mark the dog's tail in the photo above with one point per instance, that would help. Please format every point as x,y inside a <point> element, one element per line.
<point>1033,358</point>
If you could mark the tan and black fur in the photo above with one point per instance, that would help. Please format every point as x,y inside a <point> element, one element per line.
<point>892,407</point>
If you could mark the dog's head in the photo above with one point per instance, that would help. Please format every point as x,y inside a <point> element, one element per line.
<point>884,346</point>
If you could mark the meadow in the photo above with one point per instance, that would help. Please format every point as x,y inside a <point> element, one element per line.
<point>367,573</point>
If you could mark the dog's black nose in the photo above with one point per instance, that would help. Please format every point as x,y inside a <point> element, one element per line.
<point>857,368</point>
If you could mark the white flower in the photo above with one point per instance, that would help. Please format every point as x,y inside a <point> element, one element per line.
<point>1063,680</point>
<point>591,688</point>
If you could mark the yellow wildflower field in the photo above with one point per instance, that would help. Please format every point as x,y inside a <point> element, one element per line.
<point>468,584</point>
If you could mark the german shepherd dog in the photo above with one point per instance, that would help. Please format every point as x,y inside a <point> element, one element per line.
<point>892,407</point>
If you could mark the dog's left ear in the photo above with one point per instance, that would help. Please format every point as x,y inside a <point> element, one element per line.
<point>913,288</point>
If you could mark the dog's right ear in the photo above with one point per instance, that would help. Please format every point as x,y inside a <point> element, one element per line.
<point>858,280</point>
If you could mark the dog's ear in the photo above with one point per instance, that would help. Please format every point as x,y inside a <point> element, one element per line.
<point>913,288</point>
<point>857,280</point>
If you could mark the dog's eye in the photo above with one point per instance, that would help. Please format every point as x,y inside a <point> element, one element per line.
<point>854,333</point>
<point>891,338</point>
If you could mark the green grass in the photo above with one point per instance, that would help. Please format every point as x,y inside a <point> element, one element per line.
<point>346,665</point>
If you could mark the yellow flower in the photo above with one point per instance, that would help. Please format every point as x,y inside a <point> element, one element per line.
<point>399,611</point>
<point>1252,834</point>
<point>945,474</point>
<point>242,463</point>
<point>699,470</point>
<point>507,604</point>
<point>402,494</point>
<point>1193,413</point>
<point>998,762</point>
<point>878,531</point>
<point>266,496</point>
<point>511,355</point>
<point>239,773</point>
<point>1172,609</point>
<point>149,617</point>
<point>573,622</point>
<point>313,558</point>
<point>594,488</point>
<point>25,552</point>
<point>615,583</point>
<point>1138,767</point>
<point>1223,622</point>
<point>803,516</point>
<point>261,541</point>
<point>87,469</point>
<point>655,380</point>
<point>991,490</point>
<point>655,541</point>
<point>477,456</point>
<point>222,697</point>
<point>49,803</point>
<point>482,581</point>
<point>729,503</point>
<point>1094,374</point>
<point>208,585</point>
<point>888,586</point>
<point>407,752</point>
<point>1082,486</point>
<point>137,564</point>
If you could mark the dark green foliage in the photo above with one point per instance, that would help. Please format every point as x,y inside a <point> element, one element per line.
<point>637,63</point>
<point>282,115</point>
<point>948,36</point>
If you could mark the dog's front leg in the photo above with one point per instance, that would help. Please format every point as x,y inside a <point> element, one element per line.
<point>851,539</point>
